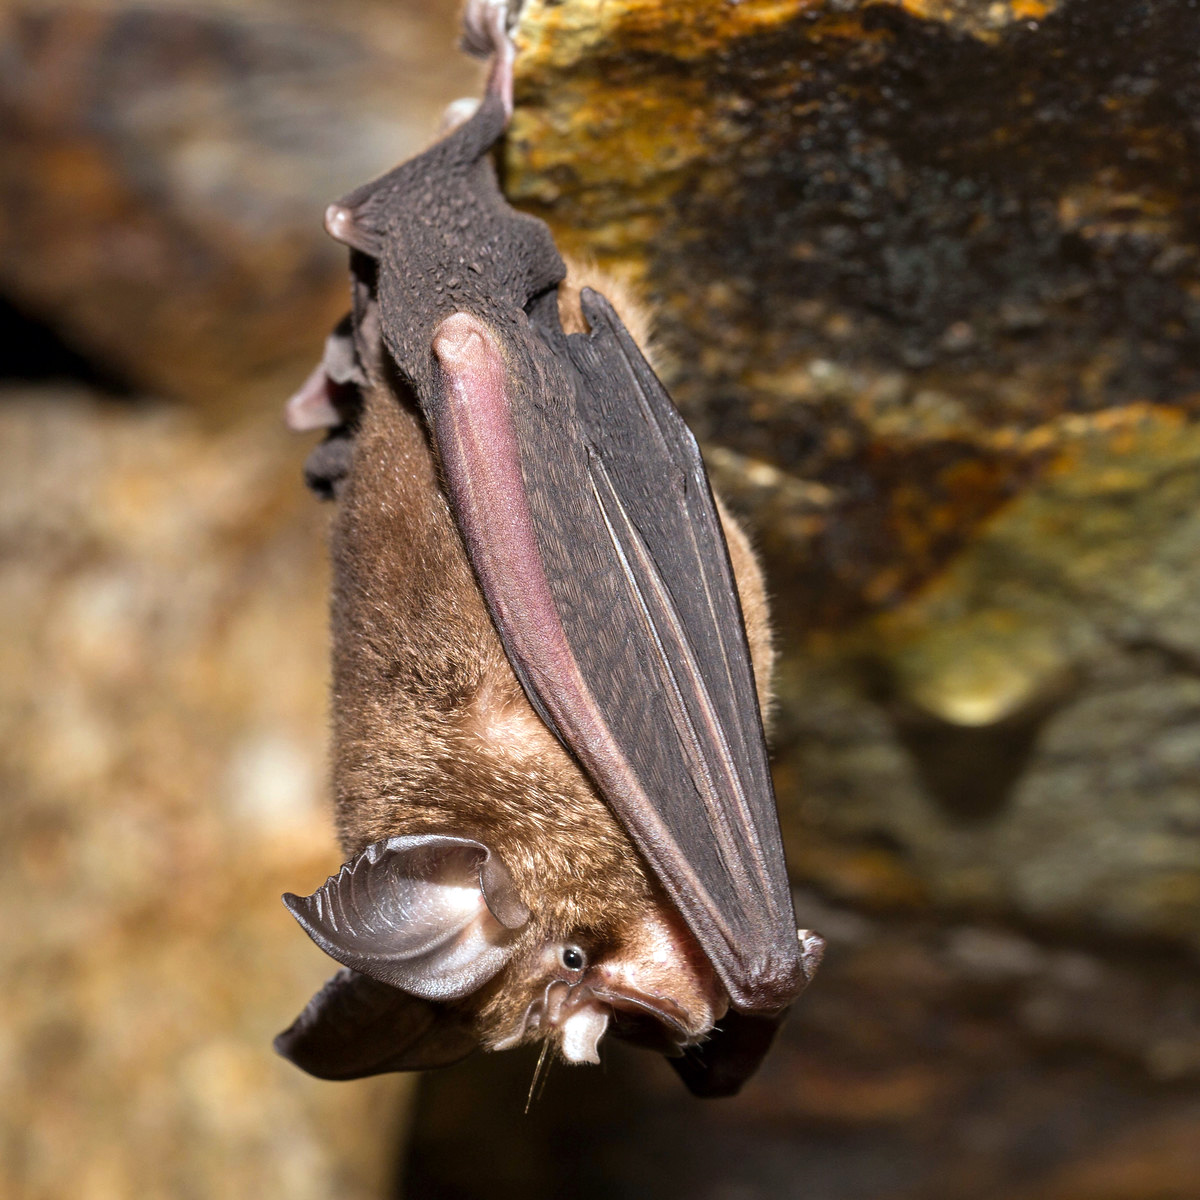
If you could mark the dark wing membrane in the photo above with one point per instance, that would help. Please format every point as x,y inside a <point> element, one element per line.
<point>355,1026</point>
<point>588,517</point>
<point>723,1064</point>
<point>705,759</point>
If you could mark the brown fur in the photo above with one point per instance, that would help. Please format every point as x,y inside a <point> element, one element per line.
<point>617,290</point>
<point>432,732</point>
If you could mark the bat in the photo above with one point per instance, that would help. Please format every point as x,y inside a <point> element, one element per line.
<point>550,769</point>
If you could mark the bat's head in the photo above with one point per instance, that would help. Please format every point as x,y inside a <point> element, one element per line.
<point>644,981</point>
<point>465,962</point>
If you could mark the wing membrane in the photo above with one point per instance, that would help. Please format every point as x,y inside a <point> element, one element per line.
<point>588,517</point>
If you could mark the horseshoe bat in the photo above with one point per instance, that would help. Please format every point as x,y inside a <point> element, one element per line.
<point>550,770</point>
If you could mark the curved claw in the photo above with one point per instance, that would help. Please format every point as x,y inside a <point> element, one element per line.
<point>342,226</point>
<point>485,34</point>
<point>485,24</point>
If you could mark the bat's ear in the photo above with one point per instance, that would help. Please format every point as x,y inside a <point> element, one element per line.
<point>431,915</point>
<point>355,1026</point>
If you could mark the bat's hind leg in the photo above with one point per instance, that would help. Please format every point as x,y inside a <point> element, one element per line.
<point>485,26</point>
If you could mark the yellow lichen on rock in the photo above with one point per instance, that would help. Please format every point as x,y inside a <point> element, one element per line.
<point>984,19</point>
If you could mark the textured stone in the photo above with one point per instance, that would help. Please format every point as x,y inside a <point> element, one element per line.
<point>166,167</point>
<point>927,277</point>
<point>926,1062</point>
<point>1026,727</point>
<point>162,746</point>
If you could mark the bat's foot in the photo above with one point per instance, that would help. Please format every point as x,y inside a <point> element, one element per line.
<point>485,26</point>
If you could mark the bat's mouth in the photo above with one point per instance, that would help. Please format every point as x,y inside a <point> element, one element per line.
<point>654,1022</point>
<point>578,1015</point>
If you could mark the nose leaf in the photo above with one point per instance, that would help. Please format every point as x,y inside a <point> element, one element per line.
<point>581,1034</point>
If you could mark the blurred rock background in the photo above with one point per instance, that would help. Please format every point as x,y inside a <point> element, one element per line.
<point>927,278</point>
<point>165,284</point>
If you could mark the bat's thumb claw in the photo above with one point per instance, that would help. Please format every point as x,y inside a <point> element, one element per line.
<point>812,950</point>
<point>339,222</point>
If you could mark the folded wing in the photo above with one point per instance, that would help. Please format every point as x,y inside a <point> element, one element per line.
<point>592,529</point>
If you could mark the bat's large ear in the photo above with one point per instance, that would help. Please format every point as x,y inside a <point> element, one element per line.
<point>355,1026</point>
<point>433,916</point>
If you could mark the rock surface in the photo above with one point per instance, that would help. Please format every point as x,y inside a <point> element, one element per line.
<point>166,167</point>
<point>162,682</point>
<point>928,280</point>
<point>927,1061</point>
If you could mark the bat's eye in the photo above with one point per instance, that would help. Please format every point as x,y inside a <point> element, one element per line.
<point>573,958</point>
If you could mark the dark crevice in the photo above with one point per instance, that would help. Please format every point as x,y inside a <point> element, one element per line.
<point>37,353</point>
<point>1175,658</point>
<point>970,771</point>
